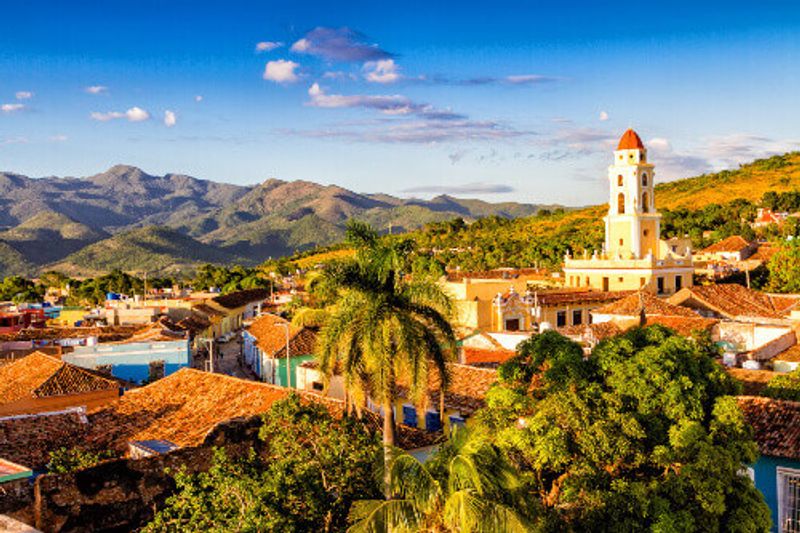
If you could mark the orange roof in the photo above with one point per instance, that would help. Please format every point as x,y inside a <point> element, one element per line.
<point>184,406</point>
<point>734,243</point>
<point>685,326</point>
<point>270,334</point>
<point>466,392</point>
<point>630,141</point>
<point>731,300</point>
<point>776,425</point>
<point>630,306</point>
<point>38,376</point>
<point>475,356</point>
<point>753,381</point>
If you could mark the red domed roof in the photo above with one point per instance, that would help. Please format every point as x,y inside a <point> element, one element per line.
<point>630,141</point>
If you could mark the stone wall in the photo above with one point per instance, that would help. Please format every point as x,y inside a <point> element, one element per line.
<point>16,499</point>
<point>123,494</point>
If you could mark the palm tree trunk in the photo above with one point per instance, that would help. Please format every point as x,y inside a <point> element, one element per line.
<point>388,445</point>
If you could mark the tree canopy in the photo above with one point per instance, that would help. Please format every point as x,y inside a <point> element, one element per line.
<point>642,435</point>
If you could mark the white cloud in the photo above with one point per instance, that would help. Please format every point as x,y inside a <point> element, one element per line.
<point>10,108</point>
<point>169,118</point>
<point>134,114</point>
<point>60,138</point>
<point>96,89</point>
<point>303,45</point>
<point>13,140</point>
<point>24,95</point>
<point>281,71</point>
<point>338,75</point>
<point>381,71</point>
<point>603,116</point>
<point>198,98</point>
<point>525,79</point>
<point>137,114</point>
<point>267,46</point>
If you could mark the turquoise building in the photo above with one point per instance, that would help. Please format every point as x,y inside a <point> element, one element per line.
<point>133,361</point>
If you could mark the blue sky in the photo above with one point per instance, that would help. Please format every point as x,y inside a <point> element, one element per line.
<point>497,100</point>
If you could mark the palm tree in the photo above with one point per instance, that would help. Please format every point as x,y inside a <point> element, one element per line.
<point>469,486</point>
<point>384,325</point>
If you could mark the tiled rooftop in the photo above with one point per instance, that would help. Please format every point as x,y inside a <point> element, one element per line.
<point>499,273</point>
<point>631,305</point>
<point>685,326</point>
<point>579,296</point>
<point>38,375</point>
<point>734,243</point>
<point>732,300</point>
<point>241,298</point>
<point>776,424</point>
<point>753,381</point>
<point>467,391</point>
<point>104,334</point>
<point>183,407</point>
<point>270,336</point>
<point>29,439</point>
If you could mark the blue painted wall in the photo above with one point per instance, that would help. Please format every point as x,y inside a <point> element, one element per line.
<point>766,479</point>
<point>131,361</point>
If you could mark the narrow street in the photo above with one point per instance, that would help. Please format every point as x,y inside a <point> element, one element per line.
<point>229,360</point>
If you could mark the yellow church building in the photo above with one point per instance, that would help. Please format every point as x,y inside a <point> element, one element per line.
<point>634,255</point>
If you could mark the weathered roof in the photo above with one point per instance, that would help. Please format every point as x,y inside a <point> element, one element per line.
<point>38,376</point>
<point>594,332</point>
<point>184,406</point>
<point>208,310</point>
<point>29,439</point>
<point>631,305</point>
<point>241,298</point>
<point>734,243</point>
<point>104,333</point>
<point>685,326</point>
<point>579,296</point>
<point>731,300</point>
<point>466,392</point>
<point>776,425</point>
<point>753,381</point>
<point>499,273</point>
<point>270,334</point>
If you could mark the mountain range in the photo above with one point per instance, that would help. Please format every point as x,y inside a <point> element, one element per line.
<point>126,218</point>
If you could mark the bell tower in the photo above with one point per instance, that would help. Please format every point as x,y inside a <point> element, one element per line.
<point>633,226</point>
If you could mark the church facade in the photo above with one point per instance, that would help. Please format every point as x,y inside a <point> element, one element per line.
<point>633,256</point>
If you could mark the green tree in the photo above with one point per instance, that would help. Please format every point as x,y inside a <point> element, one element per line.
<point>784,268</point>
<point>383,325</point>
<point>310,471</point>
<point>65,460</point>
<point>468,485</point>
<point>20,290</point>
<point>642,435</point>
<point>784,386</point>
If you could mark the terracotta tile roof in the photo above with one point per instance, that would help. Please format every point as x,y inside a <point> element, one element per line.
<point>475,356</point>
<point>499,273</point>
<point>208,310</point>
<point>29,439</point>
<point>784,303</point>
<point>753,381</point>
<point>630,140</point>
<point>467,391</point>
<point>238,299</point>
<point>271,336</point>
<point>791,355</point>
<point>183,407</point>
<point>764,252</point>
<point>630,306</point>
<point>730,300</point>
<point>734,243</point>
<point>685,326</point>
<point>104,333</point>
<point>776,425</point>
<point>592,333</point>
<point>38,376</point>
<point>579,296</point>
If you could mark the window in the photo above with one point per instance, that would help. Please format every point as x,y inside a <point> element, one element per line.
<point>620,279</point>
<point>678,283</point>
<point>644,179</point>
<point>621,242</point>
<point>645,233</point>
<point>577,317</point>
<point>620,181</point>
<point>409,415</point>
<point>788,500</point>
<point>660,281</point>
<point>317,386</point>
<point>642,282</point>
<point>561,319</point>
<point>512,324</point>
<point>621,204</point>
<point>645,203</point>
<point>605,284</point>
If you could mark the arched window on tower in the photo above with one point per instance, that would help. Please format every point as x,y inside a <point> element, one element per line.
<point>621,204</point>
<point>620,180</point>
<point>645,204</point>
<point>644,180</point>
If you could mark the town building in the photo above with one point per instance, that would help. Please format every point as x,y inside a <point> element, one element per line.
<point>731,249</point>
<point>634,255</point>
<point>39,382</point>
<point>264,347</point>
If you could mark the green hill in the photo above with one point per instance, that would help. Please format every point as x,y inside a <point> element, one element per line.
<point>13,263</point>
<point>49,236</point>
<point>153,249</point>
